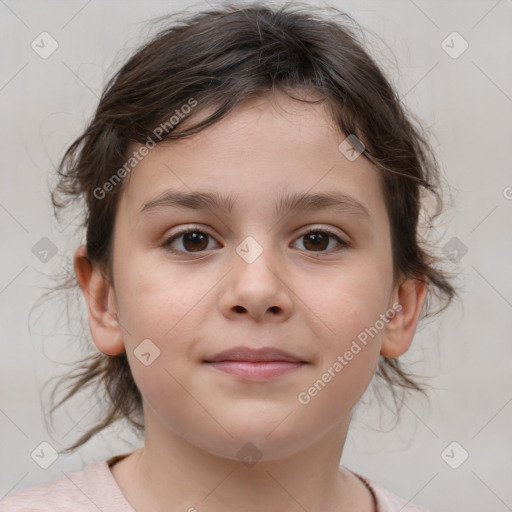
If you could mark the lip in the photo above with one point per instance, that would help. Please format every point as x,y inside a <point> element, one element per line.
<point>250,355</point>
<point>255,364</point>
<point>256,371</point>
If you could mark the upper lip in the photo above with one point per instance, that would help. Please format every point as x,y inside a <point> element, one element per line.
<point>264,354</point>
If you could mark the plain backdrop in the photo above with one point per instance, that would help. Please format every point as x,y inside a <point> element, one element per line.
<point>464,97</point>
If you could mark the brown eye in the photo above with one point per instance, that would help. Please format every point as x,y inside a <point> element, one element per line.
<point>196,241</point>
<point>317,240</point>
<point>193,240</point>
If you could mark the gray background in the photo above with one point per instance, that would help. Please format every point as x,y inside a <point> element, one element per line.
<point>467,103</point>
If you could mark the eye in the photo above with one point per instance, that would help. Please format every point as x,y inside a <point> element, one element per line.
<point>195,241</point>
<point>318,239</point>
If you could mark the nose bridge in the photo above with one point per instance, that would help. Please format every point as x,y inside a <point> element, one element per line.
<point>257,255</point>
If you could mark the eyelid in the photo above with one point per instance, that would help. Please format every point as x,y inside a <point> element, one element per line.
<point>187,229</point>
<point>343,240</point>
<point>303,231</point>
<point>321,227</point>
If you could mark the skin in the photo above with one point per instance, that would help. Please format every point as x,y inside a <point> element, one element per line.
<point>312,302</point>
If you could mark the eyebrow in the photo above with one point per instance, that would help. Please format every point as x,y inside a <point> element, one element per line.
<point>290,202</point>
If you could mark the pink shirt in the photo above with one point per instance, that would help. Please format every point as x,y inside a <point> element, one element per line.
<point>95,489</point>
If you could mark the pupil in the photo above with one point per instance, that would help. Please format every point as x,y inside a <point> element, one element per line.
<point>195,238</point>
<point>317,239</point>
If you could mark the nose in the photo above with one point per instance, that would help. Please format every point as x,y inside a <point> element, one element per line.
<point>257,287</point>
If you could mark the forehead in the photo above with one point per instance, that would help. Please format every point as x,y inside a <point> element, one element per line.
<point>265,147</point>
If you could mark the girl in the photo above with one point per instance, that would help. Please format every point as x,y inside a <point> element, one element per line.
<point>253,188</point>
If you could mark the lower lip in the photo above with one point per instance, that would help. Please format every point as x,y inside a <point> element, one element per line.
<point>256,371</point>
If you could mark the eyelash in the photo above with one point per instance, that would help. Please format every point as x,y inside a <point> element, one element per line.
<point>343,244</point>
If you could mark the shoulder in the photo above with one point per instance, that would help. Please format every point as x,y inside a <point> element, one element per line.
<point>88,490</point>
<point>387,501</point>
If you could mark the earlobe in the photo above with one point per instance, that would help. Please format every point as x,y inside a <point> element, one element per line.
<point>101,305</point>
<point>400,330</point>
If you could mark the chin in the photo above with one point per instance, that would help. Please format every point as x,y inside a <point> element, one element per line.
<point>257,443</point>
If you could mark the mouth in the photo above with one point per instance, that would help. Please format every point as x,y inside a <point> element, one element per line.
<point>261,355</point>
<point>255,364</point>
<point>250,370</point>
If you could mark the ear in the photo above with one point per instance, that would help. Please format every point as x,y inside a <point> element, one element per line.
<point>101,304</point>
<point>410,294</point>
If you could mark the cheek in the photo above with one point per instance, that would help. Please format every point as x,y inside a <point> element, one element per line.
<point>347,359</point>
<point>166,308</point>
<point>154,301</point>
<point>353,298</point>
<point>352,308</point>
<point>163,312</point>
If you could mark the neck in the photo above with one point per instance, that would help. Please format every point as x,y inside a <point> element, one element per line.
<point>171,470</point>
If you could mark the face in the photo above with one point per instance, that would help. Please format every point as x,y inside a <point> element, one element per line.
<point>251,274</point>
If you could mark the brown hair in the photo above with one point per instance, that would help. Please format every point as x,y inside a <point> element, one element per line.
<point>221,58</point>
